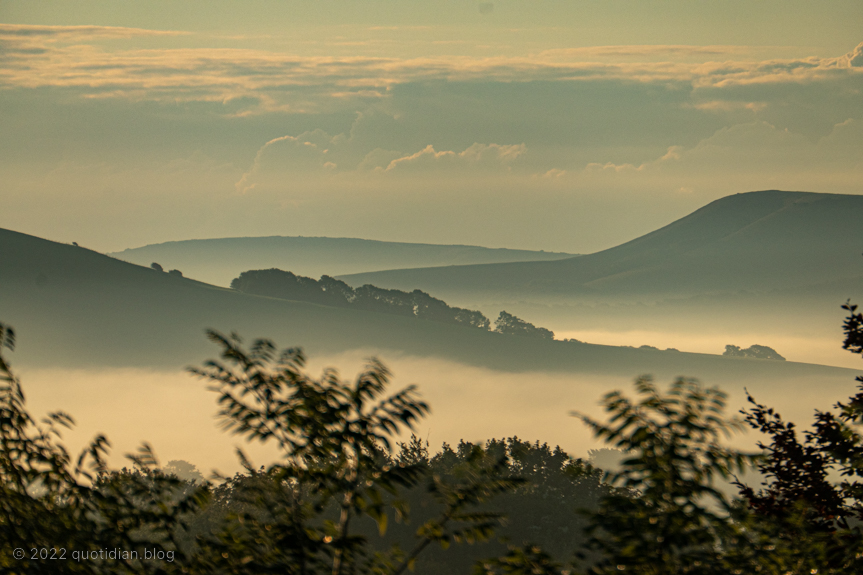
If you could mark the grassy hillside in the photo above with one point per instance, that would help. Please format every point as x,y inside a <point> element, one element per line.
<point>768,242</point>
<point>218,261</point>
<point>75,307</point>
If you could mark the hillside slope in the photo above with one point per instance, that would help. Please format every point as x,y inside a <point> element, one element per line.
<point>75,307</point>
<point>758,242</point>
<point>218,261</point>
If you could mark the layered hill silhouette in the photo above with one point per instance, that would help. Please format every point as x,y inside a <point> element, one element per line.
<point>767,243</point>
<point>75,307</point>
<point>218,261</point>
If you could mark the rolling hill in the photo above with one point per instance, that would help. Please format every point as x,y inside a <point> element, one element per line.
<point>768,243</point>
<point>218,261</point>
<point>75,307</point>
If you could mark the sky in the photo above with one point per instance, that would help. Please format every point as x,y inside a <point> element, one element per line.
<point>534,124</point>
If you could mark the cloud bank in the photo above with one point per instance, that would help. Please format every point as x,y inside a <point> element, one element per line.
<point>132,136</point>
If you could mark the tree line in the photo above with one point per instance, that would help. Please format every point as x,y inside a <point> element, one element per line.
<point>332,292</point>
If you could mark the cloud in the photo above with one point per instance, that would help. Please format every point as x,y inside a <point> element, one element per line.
<point>77,33</point>
<point>288,162</point>
<point>488,156</point>
<point>288,156</point>
<point>506,150</point>
<point>853,59</point>
<point>65,57</point>
<point>744,157</point>
<point>642,51</point>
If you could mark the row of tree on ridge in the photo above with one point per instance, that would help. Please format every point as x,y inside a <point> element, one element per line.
<point>333,292</point>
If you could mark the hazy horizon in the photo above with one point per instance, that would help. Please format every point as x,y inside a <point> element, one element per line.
<point>519,207</point>
<point>553,125</point>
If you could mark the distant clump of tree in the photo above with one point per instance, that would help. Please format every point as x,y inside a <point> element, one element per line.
<point>332,292</point>
<point>159,268</point>
<point>183,470</point>
<point>512,325</point>
<point>755,352</point>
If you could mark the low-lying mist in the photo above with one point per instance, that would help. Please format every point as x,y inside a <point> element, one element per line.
<point>176,414</point>
<point>793,347</point>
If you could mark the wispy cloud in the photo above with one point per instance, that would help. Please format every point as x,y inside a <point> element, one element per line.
<point>60,56</point>
<point>80,32</point>
<point>484,155</point>
<point>643,50</point>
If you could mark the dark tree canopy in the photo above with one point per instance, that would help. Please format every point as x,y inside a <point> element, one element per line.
<point>512,325</point>
<point>754,351</point>
<point>333,292</point>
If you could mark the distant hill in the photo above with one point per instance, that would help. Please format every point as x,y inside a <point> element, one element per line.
<point>218,261</point>
<point>769,242</point>
<point>75,307</point>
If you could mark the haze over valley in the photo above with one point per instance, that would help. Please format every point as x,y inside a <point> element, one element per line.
<point>368,276</point>
<point>746,255</point>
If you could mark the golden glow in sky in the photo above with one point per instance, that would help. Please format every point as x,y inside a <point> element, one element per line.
<point>566,126</point>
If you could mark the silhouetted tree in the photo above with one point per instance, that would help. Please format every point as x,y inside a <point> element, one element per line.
<point>50,508</point>
<point>183,470</point>
<point>339,293</point>
<point>753,351</point>
<point>156,267</point>
<point>814,519</point>
<point>333,292</point>
<point>336,469</point>
<point>512,325</point>
<point>668,517</point>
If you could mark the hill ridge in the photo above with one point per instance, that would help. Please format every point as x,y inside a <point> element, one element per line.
<point>220,260</point>
<point>94,310</point>
<point>754,240</point>
<point>334,238</point>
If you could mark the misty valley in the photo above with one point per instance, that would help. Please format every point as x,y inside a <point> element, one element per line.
<point>511,453</point>
<point>475,287</point>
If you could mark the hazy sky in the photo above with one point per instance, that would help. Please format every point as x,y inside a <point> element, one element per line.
<point>565,125</point>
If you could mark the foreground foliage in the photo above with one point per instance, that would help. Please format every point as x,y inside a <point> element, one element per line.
<point>337,469</point>
<point>346,497</point>
<point>678,520</point>
<point>52,510</point>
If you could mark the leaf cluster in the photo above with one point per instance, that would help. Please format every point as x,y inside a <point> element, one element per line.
<point>667,516</point>
<point>337,469</point>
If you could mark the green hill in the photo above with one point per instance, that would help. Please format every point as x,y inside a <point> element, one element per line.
<point>75,307</point>
<point>218,261</point>
<point>769,242</point>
